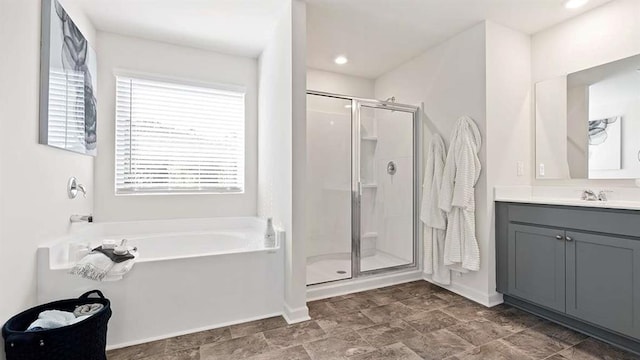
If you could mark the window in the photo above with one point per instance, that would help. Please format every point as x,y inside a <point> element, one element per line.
<point>177,138</point>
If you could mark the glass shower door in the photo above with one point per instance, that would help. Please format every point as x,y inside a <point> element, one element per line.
<point>385,188</point>
<point>329,243</point>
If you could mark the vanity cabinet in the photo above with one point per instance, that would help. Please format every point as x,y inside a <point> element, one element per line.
<point>577,266</point>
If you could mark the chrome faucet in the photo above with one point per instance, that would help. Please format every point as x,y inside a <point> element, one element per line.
<point>73,187</point>
<point>81,218</point>
<point>589,195</point>
<point>602,196</point>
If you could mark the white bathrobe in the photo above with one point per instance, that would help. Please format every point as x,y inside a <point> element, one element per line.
<point>461,173</point>
<point>434,219</point>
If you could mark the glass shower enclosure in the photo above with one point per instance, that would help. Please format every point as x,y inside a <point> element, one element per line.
<point>362,161</point>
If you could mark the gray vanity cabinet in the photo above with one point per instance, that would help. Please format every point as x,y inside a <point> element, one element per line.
<point>576,266</point>
<point>603,281</point>
<point>537,265</point>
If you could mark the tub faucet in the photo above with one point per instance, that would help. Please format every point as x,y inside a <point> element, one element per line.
<point>602,196</point>
<point>81,218</point>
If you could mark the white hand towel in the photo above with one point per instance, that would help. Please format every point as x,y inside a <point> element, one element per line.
<point>119,270</point>
<point>97,266</point>
<point>94,266</point>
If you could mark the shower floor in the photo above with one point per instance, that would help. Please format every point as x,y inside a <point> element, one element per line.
<point>331,267</point>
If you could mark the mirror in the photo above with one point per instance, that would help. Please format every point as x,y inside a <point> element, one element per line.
<point>588,123</point>
<point>67,83</point>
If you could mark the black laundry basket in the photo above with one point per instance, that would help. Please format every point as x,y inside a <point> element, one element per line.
<point>85,340</point>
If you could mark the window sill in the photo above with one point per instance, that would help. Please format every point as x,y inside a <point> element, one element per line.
<point>173,193</point>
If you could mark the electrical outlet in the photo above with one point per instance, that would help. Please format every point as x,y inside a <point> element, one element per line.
<point>541,170</point>
<point>520,168</point>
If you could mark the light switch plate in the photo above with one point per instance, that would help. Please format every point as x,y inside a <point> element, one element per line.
<point>520,170</point>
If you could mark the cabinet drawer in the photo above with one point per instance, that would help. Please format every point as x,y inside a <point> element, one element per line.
<point>609,221</point>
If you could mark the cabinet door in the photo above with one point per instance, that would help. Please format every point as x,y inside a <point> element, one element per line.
<point>536,264</point>
<point>603,281</point>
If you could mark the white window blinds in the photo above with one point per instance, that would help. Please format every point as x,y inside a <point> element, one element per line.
<point>176,138</point>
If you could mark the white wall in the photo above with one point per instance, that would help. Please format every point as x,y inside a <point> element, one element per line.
<point>296,296</point>
<point>607,33</point>
<point>509,114</point>
<point>551,129</point>
<point>33,200</point>
<point>450,80</point>
<point>282,108</point>
<point>326,81</point>
<point>468,75</point>
<point>121,53</point>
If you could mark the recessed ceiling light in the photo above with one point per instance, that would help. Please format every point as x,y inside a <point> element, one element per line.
<point>574,4</point>
<point>341,60</point>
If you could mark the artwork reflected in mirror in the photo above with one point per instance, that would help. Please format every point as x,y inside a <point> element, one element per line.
<point>68,83</point>
<point>588,123</point>
<point>605,144</point>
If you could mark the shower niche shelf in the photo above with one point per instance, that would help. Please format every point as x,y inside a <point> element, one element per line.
<point>370,186</point>
<point>370,138</point>
<point>369,235</point>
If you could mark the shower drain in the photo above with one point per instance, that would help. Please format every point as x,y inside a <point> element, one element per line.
<point>341,272</point>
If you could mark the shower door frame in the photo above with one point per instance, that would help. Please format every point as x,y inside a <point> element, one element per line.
<point>356,184</point>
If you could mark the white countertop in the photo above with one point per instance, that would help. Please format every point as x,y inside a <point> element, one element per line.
<point>620,198</point>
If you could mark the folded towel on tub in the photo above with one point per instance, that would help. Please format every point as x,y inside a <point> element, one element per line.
<point>97,266</point>
<point>94,266</point>
<point>119,270</point>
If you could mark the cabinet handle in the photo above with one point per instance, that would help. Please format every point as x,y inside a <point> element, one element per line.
<point>569,238</point>
<point>559,237</point>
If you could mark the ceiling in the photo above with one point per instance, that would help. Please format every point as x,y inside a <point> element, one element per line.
<point>379,35</point>
<point>240,27</point>
<point>376,35</point>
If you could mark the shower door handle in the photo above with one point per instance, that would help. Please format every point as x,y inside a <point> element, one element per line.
<point>359,190</point>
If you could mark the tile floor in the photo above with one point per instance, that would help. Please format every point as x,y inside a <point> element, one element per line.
<point>405,322</point>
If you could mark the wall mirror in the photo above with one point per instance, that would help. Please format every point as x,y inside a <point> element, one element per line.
<point>67,83</point>
<point>588,123</point>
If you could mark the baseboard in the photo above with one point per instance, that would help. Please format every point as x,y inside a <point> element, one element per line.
<point>488,300</point>
<point>191,331</point>
<point>323,291</point>
<point>295,315</point>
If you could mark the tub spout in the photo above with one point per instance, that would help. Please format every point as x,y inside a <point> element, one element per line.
<point>81,218</point>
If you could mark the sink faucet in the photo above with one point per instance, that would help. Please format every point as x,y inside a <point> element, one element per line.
<point>602,196</point>
<point>589,195</point>
<point>81,218</point>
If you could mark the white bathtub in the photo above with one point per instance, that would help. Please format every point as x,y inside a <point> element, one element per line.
<point>191,275</point>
